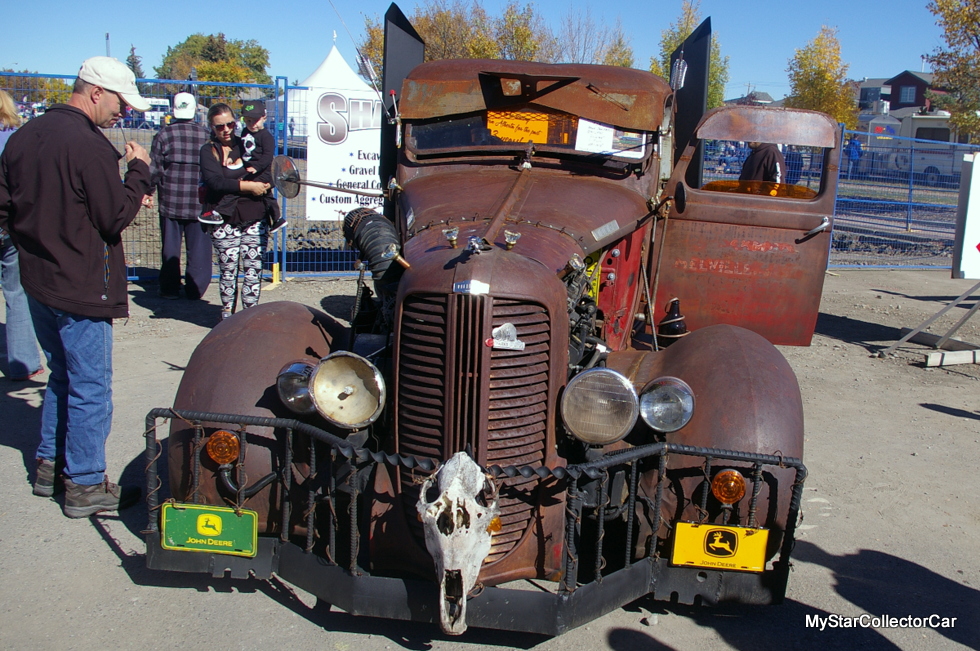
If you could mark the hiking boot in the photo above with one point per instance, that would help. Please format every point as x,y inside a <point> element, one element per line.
<point>83,501</point>
<point>48,478</point>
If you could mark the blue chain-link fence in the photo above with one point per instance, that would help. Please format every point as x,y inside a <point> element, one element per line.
<point>896,203</point>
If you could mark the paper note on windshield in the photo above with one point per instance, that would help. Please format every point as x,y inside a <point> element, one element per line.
<point>519,127</point>
<point>600,139</point>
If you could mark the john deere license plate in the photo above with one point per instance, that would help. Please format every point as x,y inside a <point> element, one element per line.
<point>215,529</point>
<point>720,547</point>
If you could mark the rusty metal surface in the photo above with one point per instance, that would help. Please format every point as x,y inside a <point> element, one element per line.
<point>761,124</point>
<point>747,399</point>
<point>622,97</point>
<point>744,259</point>
<point>557,213</point>
<point>233,370</point>
<point>454,392</point>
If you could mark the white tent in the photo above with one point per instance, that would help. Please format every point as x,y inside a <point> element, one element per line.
<point>332,73</point>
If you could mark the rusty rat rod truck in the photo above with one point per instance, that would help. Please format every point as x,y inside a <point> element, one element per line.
<point>503,406</point>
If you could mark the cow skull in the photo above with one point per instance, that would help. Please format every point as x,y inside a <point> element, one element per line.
<point>457,533</point>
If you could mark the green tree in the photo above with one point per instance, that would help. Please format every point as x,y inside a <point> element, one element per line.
<point>818,79</point>
<point>672,37</point>
<point>619,52</point>
<point>957,65</point>
<point>135,63</point>
<point>233,60</point>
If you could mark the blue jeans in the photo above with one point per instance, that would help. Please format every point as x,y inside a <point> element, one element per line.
<point>22,356</point>
<point>77,412</point>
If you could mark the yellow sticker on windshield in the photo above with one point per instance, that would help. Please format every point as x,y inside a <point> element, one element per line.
<point>518,127</point>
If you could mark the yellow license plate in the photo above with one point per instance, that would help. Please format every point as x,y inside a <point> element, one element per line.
<point>720,547</point>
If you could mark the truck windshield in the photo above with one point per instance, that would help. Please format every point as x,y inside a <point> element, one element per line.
<point>546,129</point>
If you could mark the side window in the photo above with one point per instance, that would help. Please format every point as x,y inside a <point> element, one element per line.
<point>762,168</point>
<point>939,134</point>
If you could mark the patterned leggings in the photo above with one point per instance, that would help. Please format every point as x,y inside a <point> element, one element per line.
<point>246,247</point>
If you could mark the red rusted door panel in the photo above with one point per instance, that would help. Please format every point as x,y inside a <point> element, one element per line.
<point>750,259</point>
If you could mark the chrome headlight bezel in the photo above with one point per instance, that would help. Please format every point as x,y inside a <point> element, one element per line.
<point>292,385</point>
<point>599,406</point>
<point>343,376</point>
<point>673,396</point>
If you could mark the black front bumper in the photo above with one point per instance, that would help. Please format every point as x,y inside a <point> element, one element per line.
<point>574,603</point>
<point>528,611</point>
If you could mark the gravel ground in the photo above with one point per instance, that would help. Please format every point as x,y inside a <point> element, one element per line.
<point>891,520</point>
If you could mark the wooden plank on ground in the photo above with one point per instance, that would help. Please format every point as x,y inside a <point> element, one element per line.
<point>929,339</point>
<point>951,357</point>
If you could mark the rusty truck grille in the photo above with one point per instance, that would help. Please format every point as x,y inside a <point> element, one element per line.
<point>454,391</point>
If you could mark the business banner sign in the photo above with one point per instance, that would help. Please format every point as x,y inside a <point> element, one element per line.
<point>343,150</point>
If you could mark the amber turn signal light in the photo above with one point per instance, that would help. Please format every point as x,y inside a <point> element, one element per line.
<point>728,486</point>
<point>223,447</point>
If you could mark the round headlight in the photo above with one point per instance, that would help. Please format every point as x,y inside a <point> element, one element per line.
<point>599,406</point>
<point>667,404</point>
<point>293,386</point>
<point>347,390</point>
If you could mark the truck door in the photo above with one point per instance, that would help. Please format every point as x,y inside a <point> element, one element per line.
<point>750,253</point>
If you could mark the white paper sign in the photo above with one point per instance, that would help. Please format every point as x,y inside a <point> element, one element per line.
<point>966,256</point>
<point>600,139</point>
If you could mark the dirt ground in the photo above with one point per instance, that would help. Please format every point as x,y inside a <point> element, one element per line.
<point>891,520</point>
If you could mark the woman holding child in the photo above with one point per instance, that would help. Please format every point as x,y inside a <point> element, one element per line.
<point>236,209</point>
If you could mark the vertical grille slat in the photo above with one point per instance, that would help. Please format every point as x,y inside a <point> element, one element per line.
<point>445,368</point>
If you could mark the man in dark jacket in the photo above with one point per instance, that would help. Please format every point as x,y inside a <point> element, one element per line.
<point>64,206</point>
<point>176,173</point>
<point>765,163</point>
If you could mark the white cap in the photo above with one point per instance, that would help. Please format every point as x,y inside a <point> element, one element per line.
<point>112,74</point>
<point>184,106</point>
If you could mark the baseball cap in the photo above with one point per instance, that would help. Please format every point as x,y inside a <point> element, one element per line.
<point>184,106</point>
<point>112,74</point>
<point>253,109</point>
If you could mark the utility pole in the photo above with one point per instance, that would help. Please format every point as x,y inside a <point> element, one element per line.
<point>107,45</point>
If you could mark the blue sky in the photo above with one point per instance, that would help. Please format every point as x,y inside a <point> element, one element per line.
<point>759,36</point>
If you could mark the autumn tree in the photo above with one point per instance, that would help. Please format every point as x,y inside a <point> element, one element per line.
<point>671,39</point>
<point>818,79</point>
<point>31,90</point>
<point>455,29</point>
<point>215,58</point>
<point>957,65</point>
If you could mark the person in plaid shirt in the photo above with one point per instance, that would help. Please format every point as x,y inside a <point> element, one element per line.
<point>176,173</point>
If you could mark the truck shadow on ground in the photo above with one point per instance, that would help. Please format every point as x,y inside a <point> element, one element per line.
<point>876,583</point>
<point>854,331</point>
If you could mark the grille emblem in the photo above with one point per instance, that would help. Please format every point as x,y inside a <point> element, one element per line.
<point>505,337</point>
<point>471,287</point>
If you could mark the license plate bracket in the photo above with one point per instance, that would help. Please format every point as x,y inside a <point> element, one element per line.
<point>720,547</point>
<point>210,529</point>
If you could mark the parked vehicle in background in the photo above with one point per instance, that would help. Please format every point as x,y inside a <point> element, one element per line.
<point>921,143</point>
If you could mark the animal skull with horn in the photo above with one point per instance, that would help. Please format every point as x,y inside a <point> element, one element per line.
<point>458,523</point>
